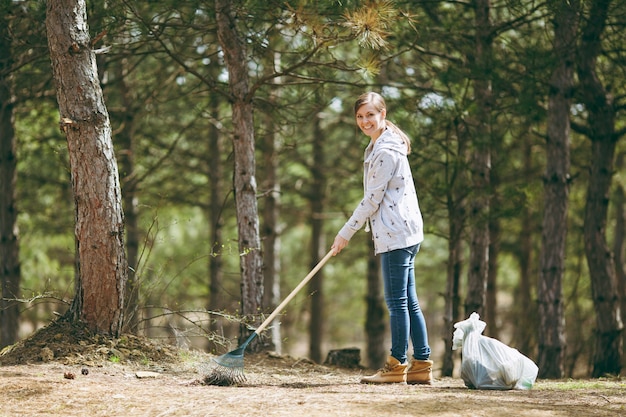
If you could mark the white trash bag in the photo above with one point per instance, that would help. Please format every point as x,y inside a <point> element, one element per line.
<point>488,363</point>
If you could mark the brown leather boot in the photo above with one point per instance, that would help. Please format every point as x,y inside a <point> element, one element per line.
<point>394,372</point>
<point>419,372</point>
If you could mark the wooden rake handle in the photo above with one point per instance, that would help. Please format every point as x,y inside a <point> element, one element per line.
<point>282,305</point>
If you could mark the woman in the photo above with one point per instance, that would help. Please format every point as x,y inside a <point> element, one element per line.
<point>391,209</point>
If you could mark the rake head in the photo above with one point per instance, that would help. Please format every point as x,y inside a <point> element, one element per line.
<point>227,369</point>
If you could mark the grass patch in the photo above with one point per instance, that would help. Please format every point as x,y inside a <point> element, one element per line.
<point>580,384</point>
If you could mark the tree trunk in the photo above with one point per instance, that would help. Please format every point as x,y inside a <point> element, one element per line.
<point>271,227</point>
<point>455,203</point>
<point>492,270</point>
<point>102,267</point>
<point>453,283</point>
<point>10,275</point>
<point>608,349</point>
<point>375,322</point>
<point>601,119</point>
<point>618,242</point>
<point>556,192</point>
<point>480,161</point>
<point>495,203</point>
<point>318,201</point>
<point>245,186</point>
<point>130,198</point>
<point>216,222</point>
<point>523,315</point>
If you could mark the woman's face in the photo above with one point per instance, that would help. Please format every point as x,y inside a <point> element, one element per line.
<point>370,120</point>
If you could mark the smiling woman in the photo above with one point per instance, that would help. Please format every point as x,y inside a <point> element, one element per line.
<point>371,120</point>
<point>390,207</point>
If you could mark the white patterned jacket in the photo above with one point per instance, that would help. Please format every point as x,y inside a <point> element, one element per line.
<point>390,202</point>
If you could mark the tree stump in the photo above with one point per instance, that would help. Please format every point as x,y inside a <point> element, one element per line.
<point>344,358</point>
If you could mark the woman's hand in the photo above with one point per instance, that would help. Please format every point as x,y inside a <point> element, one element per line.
<point>338,244</point>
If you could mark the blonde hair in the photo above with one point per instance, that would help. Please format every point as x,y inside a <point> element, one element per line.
<point>378,102</point>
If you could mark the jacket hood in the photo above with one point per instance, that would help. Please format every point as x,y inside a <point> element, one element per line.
<point>391,141</point>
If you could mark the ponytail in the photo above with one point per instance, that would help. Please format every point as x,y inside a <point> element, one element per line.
<point>400,133</point>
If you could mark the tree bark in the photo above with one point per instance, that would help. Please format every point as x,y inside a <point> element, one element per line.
<point>126,141</point>
<point>102,266</point>
<point>10,275</point>
<point>618,241</point>
<point>492,270</point>
<point>375,323</point>
<point>456,213</point>
<point>523,314</point>
<point>480,163</point>
<point>316,286</point>
<point>271,227</point>
<point>453,285</point>
<point>216,221</point>
<point>556,192</point>
<point>601,119</point>
<point>245,185</point>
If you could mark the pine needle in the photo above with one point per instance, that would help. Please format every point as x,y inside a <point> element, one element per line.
<point>370,23</point>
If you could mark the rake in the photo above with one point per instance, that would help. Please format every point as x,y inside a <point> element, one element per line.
<point>228,369</point>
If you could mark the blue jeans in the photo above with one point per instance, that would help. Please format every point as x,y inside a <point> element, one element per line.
<point>406,318</point>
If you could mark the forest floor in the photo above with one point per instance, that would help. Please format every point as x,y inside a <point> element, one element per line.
<point>65,371</point>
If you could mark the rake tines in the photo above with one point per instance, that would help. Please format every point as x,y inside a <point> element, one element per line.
<point>225,376</point>
<point>227,369</point>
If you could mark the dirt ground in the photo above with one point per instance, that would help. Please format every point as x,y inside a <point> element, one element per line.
<point>65,371</point>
